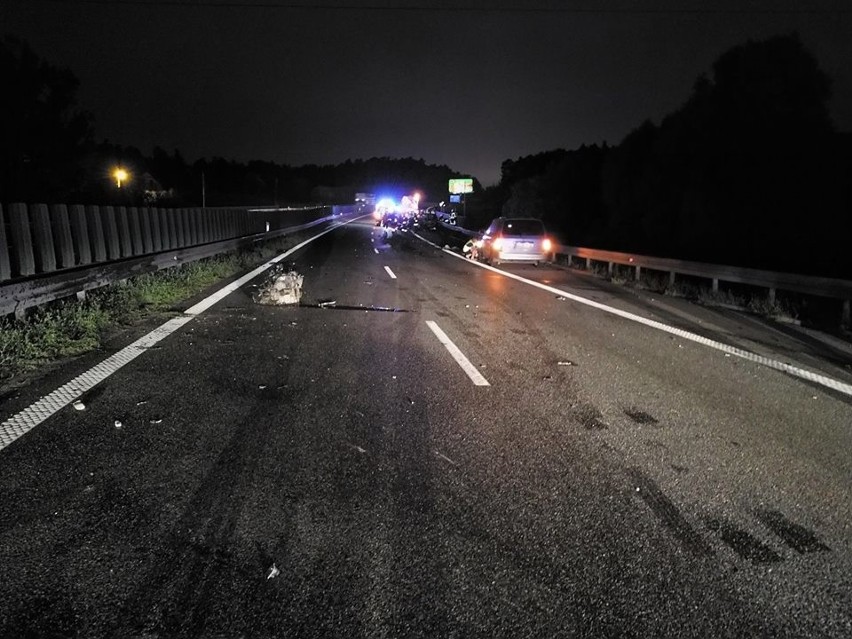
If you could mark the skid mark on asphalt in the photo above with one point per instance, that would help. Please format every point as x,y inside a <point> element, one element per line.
<point>746,545</point>
<point>197,556</point>
<point>588,416</point>
<point>797,537</point>
<point>669,514</point>
<point>743,543</point>
<point>641,417</point>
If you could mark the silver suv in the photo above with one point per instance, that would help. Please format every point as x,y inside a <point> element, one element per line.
<point>514,239</point>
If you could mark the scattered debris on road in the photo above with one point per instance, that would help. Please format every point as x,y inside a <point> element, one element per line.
<point>273,572</point>
<point>567,362</point>
<point>155,421</point>
<point>78,405</point>
<point>326,303</point>
<point>285,289</point>
<point>445,458</point>
<point>118,423</point>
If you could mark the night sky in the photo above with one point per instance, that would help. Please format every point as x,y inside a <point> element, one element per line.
<point>467,84</point>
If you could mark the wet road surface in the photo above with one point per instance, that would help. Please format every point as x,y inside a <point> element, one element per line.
<point>329,470</point>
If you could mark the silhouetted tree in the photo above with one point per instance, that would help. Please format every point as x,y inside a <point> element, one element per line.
<point>43,135</point>
<point>749,171</point>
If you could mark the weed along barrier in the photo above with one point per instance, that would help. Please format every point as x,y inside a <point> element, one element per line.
<point>70,327</point>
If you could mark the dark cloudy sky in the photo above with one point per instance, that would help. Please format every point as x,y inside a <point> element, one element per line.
<point>467,84</point>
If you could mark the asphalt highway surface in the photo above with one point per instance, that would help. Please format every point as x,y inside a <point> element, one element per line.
<point>425,447</point>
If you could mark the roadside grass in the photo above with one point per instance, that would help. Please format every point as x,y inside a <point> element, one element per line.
<point>68,328</point>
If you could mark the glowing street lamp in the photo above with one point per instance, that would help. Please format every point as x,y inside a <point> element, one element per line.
<point>120,176</point>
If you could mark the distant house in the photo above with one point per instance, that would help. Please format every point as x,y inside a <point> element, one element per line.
<point>152,190</point>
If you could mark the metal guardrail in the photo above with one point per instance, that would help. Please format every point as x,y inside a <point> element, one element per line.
<point>771,280</point>
<point>20,294</point>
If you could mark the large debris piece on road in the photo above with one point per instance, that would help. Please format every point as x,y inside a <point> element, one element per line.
<point>285,289</point>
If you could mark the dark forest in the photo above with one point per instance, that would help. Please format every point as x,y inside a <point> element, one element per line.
<point>748,171</point>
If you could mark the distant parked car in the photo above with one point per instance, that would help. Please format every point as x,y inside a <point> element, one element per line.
<point>514,239</point>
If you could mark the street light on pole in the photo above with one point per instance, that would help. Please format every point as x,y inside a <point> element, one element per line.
<point>120,176</point>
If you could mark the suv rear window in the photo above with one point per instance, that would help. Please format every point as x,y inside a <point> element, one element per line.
<point>523,227</point>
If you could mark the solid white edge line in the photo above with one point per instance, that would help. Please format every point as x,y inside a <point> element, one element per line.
<point>811,376</point>
<point>390,272</point>
<point>460,358</point>
<point>30,417</point>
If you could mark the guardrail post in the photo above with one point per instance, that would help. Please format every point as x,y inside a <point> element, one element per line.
<point>173,224</point>
<point>672,275</point>
<point>200,224</point>
<point>5,266</point>
<point>22,241</point>
<point>62,235</point>
<point>187,226</point>
<point>205,225</point>
<point>638,272</point>
<point>124,232</point>
<point>156,232</point>
<point>772,296</point>
<point>193,226</point>
<point>610,266</point>
<point>182,228</point>
<point>846,315</point>
<point>589,264</point>
<point>45,251</point>
<point>145,223</point>
<point>110,226</point>
<point>214,224</point>
<point>233,221</point>
<point>164,229</point>
<point>136,230</point>
<point>715,284</point>
<point>96,233</point>
<point>80,234</point>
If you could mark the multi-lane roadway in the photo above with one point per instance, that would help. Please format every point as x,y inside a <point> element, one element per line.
<point>427,447</point>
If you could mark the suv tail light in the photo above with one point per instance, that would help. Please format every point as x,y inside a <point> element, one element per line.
<point>498,243</point>
<point>547,245</point>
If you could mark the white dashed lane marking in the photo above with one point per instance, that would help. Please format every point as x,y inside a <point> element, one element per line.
<point>811,376</point>
<point>390,272</point>
<point>460,358</point>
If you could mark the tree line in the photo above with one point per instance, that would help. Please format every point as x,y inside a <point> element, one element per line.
<point>749,171</point>
<point>50,154</point>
